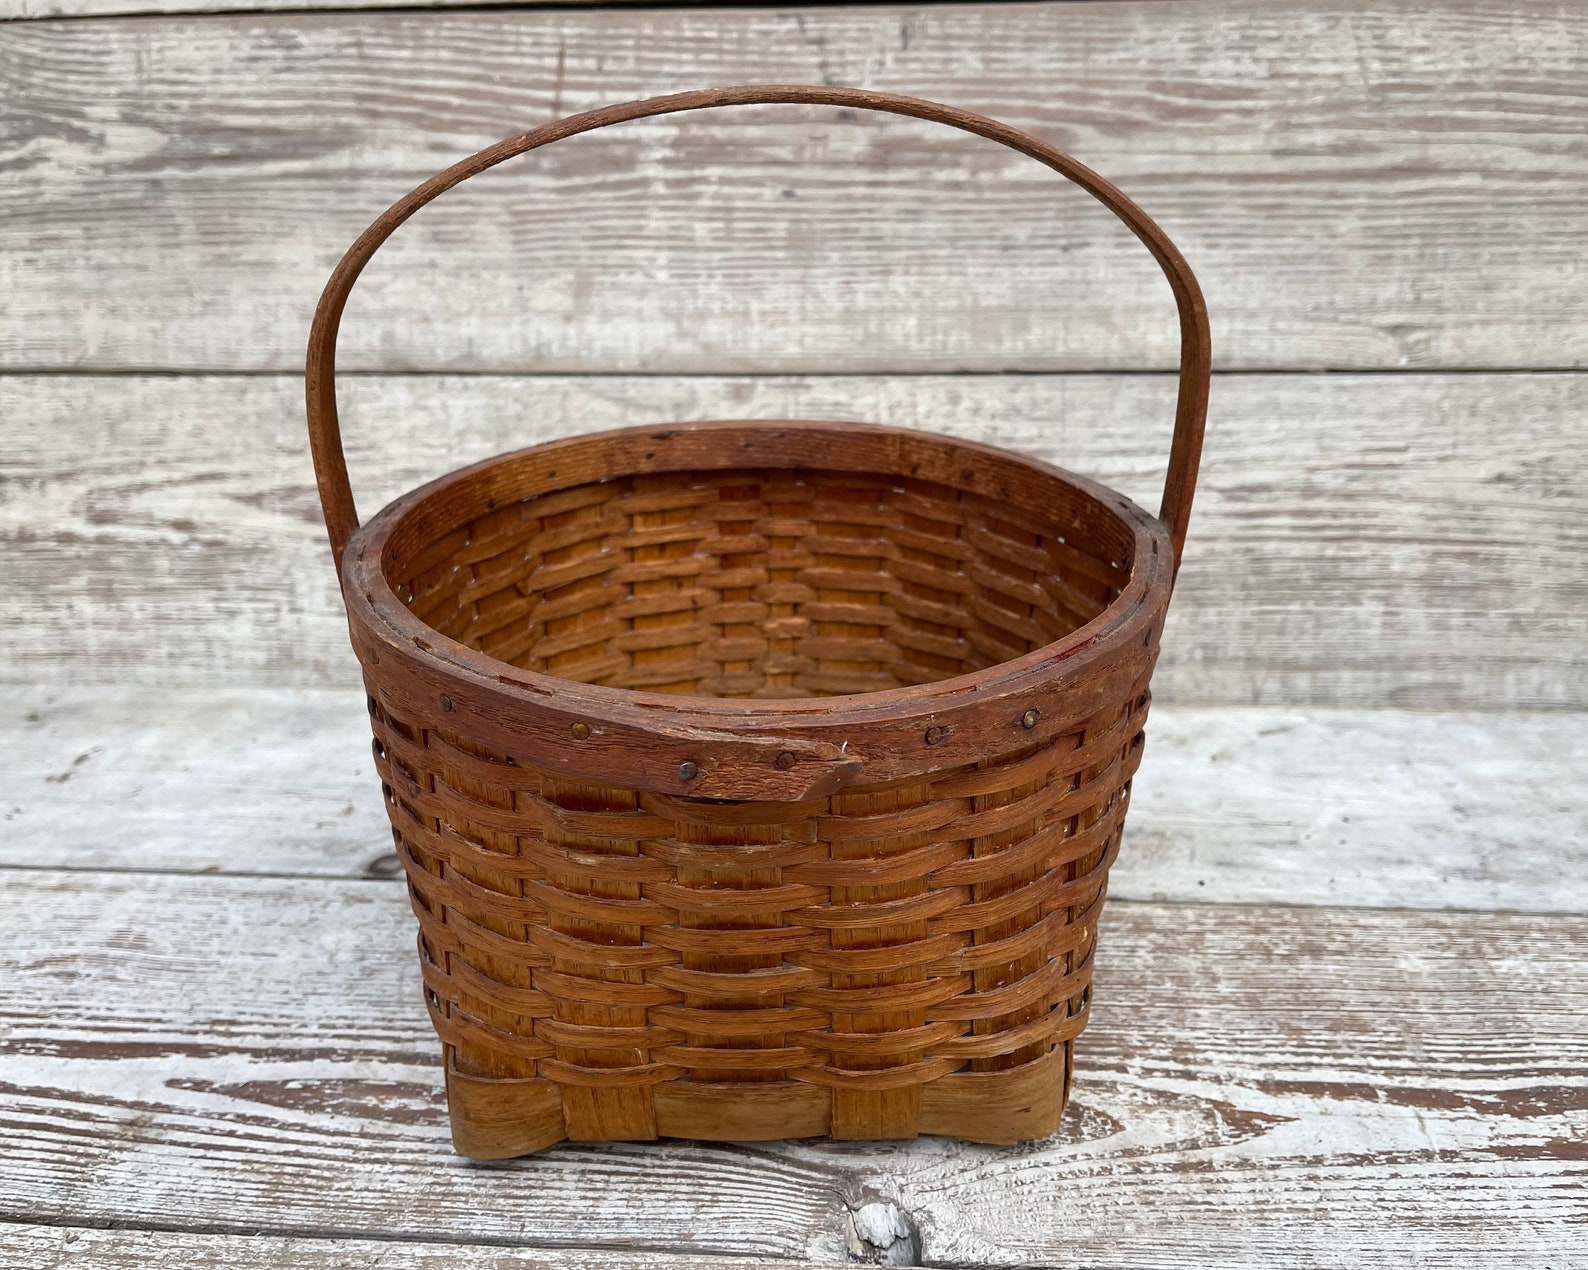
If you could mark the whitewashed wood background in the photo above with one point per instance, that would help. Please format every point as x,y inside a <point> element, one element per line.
<point>1343,988</point>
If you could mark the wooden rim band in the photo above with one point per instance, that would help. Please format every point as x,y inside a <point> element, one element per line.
<point>330,464</point>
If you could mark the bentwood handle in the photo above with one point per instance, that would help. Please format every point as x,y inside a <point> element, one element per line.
<point>1185,451</point>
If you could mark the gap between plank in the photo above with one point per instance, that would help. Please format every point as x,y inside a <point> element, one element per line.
<point>527,6</point>
<point>332,879</point>
<point>1247,372</point>
<point>336,1235</point>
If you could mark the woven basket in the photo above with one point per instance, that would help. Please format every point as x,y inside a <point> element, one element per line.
<point>757,780</point>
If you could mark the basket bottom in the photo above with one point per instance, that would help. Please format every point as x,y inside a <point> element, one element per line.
<point>496,1119</point>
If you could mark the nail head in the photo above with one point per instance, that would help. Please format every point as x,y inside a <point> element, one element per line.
<point>1029,718</point>
<point>446,703</point>
<point>934,734</point>
<point>580,731</point>
<point>785,760</point>
<point>687,771</point>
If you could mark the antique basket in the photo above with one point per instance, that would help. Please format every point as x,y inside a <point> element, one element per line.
<point>757,779</point>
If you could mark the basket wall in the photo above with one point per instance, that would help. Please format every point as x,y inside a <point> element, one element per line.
<point>897,958</point>
<point>652,914</point>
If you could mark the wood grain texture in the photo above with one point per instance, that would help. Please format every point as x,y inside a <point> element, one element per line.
<point>191,780</point>
<point>79,1248</point>
<point>292,1035</point>
<point>1303,1057</point>
<point>1371,808</point>
<point>1357,185</point>
<point>1386,808</point>
<point>1317,1086</point>
<point>1408,541</point>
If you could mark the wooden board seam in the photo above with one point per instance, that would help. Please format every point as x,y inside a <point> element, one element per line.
<point>1212,901</point>
<point>337,1235</point>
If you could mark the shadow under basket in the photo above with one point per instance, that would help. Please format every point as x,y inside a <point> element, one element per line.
<point>756,780</point>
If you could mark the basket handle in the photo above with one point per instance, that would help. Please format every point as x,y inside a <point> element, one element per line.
<point>325,435</point>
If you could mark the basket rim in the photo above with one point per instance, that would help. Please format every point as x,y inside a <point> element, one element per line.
<point>366,591</point>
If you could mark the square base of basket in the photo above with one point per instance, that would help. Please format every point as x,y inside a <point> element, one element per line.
<point>497,1119</point>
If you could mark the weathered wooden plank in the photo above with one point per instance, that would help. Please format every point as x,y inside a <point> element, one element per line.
<point>1358,184</point>
<point>276,1078</point>
<point>86,1249</point>
<point>1372,808</point>
<point>1315,1086</point>
<point>1379,808</point>
<point>1344,1089</point>
<point>1413,541</point>
<point>195,780</point>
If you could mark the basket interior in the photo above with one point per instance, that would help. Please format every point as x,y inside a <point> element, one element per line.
<point>757,583</point>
